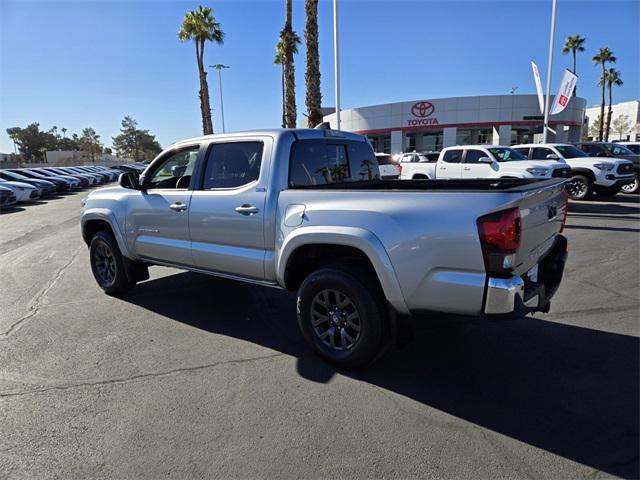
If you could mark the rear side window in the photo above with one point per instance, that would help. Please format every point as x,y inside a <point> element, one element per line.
<point>232,165</point>
<point>452,156</point>
<point>318,162</point>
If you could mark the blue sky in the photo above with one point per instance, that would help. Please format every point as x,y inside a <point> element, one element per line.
<point>89,63</point>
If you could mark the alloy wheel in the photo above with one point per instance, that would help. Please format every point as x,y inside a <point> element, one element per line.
<point>577,188</point>
<point>105,264</point>
<point>335,320</point>
<point>630,187</point>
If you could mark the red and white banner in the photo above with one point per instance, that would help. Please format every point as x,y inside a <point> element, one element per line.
<point>567,85</point>
<point>536,77</point>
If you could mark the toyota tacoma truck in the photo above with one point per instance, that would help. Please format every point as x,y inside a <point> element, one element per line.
<point>482,161</point>
<point>603,176</point>
<point>305,210</point>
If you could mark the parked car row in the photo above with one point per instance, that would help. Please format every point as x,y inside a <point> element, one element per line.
<point>31,184</point>
<point>594,167</point>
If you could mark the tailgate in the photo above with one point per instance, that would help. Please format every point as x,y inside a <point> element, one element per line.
<point>542,208</point>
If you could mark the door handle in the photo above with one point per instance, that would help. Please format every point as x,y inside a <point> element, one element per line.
<point>467,168</point>
<point>178,207</point>
<point>247,209</point>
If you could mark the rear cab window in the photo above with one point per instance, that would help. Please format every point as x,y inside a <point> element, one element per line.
<point>323,162</point>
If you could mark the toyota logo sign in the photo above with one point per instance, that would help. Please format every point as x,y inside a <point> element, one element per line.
<point>422,109</point>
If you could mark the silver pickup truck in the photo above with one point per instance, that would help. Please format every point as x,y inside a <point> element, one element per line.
<point>305,210</point>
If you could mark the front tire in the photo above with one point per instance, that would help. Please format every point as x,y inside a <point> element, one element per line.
<point>631,187</point>
<point>107,264</point>
<point>580,188</point>
<point>342,317</point>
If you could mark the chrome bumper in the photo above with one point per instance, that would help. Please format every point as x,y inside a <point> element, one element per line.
<point>515,297</point>
<point>502,294</point>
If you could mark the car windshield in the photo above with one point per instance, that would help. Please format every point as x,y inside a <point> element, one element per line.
<point>504,154</point>
<point>569,151</point>
<point>618,149</point>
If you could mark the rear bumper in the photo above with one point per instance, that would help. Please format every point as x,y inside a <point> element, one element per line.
<point>516,297</point>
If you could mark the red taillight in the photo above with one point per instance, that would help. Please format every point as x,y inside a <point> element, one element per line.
<point>566,210</point>
<point>501,231</point>
<point>500,234</point>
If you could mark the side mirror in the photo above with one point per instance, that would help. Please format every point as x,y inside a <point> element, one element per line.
<point>130,180</point>
<point>485,160</point>
<point>178,170</point>
<point>552,156</point>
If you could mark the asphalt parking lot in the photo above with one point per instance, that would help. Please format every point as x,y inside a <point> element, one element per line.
<point>196,377</point>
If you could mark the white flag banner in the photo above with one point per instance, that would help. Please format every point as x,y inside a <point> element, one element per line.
<point>536,77</point>
<point>565,92</point>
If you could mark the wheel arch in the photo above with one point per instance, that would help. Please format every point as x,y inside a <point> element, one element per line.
<point>584,171</point>
<point>309,248</point>
<point>95,221</point>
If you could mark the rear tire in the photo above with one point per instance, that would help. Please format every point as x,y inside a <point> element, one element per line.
<point>107,264</point>
<point>631,187</point>
<point>580,188</point>
<point>342,317</point>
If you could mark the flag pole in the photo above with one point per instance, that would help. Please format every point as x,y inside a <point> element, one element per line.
<point>336,60</point>
<point>546,104</point>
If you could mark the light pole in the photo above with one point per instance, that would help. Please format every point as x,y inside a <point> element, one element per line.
<point>336,60</point>
<point>219,67</point>
<point>549,65</point>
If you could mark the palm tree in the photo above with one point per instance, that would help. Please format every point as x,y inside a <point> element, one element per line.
<point>64,132</point>
<point>289,40</point>
<point>312,75</point>
<point>603,56</point>
<point>279,60</point>
<point>201,26</point>
<point>610,78</point>
<point>574,44</point>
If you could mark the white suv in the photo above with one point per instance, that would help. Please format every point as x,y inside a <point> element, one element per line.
<point>602,175</point>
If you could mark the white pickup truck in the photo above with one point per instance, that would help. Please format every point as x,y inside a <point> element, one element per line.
<point>305,210</point>
<point>482,161</point>
<point>604,176</point>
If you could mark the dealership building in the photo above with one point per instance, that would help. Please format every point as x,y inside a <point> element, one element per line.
<point>431,124</point>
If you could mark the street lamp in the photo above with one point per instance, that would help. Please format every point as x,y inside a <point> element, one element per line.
<point>219,67</point>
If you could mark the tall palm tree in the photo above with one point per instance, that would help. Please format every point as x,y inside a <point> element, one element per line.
<point>279,60</point>
<point>610,78</point>
<point>288,38</point>
<point>64,132</point>
<point>201,26</point>
<point>312,75</point>
<point>603,56</point>
<point>574,44</point>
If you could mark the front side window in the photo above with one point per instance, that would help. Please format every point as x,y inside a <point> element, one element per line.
<point>523,150</point>
<point>473,156</point>
<point>452,156</point>
<point>504,154</point>
<point>232,165</point>
<point>174,172</point>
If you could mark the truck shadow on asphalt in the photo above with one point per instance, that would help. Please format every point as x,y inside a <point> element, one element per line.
<point>568,390</point>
